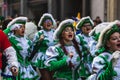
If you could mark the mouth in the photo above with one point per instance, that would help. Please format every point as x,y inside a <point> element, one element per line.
<point>23,32</point>
<point>118,45</point>
<point>88,29</point>
<point>70,36</point>
<point>48,25</point>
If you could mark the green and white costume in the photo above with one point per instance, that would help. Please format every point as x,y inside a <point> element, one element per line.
<point>40,56</point>
<point>86,68</point>
<point>57,61</point>
<point>88,40</point>
<point>42,46</point>
<point>102,66</point>
<point>22,45</point>
<point>106,66</point>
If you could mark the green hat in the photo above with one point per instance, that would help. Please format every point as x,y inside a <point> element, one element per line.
<point>95,32</point>
<point>44,17</point>
<point>61,27</point>
<point>107,32</point>
<point>16,22</point>
<point>83,21</point>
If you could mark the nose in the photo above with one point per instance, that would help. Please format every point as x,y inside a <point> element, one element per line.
<point>119,39</point>
<point>23,28</point>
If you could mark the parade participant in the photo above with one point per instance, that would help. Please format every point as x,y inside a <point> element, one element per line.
<point>106,65</point>
<point>95,32</point>
<point>65,57</point>
<point>42,40</point>
<point>85,25</point>
<point>22,45</point>
<point>10,53</point>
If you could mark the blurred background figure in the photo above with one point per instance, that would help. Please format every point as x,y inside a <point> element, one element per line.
<point>76,20</point>
<point>98,20</point>
<point>30,30</point>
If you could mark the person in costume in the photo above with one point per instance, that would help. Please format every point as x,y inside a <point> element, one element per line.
<point>95,32</point>
<point>106,66</point>
<point>41,41</point>
<point>22,45</point>
<point>66,56</point>
<point>10,53</point>
<point>85,25</point>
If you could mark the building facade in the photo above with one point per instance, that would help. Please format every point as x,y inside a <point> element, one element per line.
<point>108,10</point>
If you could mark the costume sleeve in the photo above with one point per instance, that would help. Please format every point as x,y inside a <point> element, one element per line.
<point>54,61</point>
<point>93,48</point>
<point>81,41</point>
<point>8,50</point>
<point>10,54</point>
<point>107,74</point>
<point>102,68</point>
<point>4,41</point>
<point>6,31</point>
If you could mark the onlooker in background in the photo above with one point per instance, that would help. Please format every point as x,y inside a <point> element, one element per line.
<point>98,20</point>
<point>5,23</point>
<point>1,21</point>
<point>95,23</point>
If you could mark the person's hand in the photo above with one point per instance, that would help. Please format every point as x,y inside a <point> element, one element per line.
<point>71,65</point>
<point>41,37</point>
<point>14,70</point>
<point>71,55</point>
<point>115,57</point>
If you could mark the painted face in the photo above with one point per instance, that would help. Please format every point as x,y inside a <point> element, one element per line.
<point>68,34</point>
<point>47,24</point>
<point>20,31</point>
<point>86,28</point>
<point>114,42</point>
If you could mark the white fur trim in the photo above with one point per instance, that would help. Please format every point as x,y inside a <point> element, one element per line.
<point>10,54</point>
<point>30,29</point>
<point>97,29</point>
<point>49,15</point>
<point>81,20</point>
<point>58,30</point>
<point>116,55</point>
<point>92,31</point>
<point>16,19</point>
<point>100,40</point>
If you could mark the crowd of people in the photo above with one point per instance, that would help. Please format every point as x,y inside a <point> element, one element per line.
<point>89,50</point>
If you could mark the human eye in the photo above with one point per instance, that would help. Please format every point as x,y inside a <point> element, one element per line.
<point>66,30</point>
<point>115,38</point>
